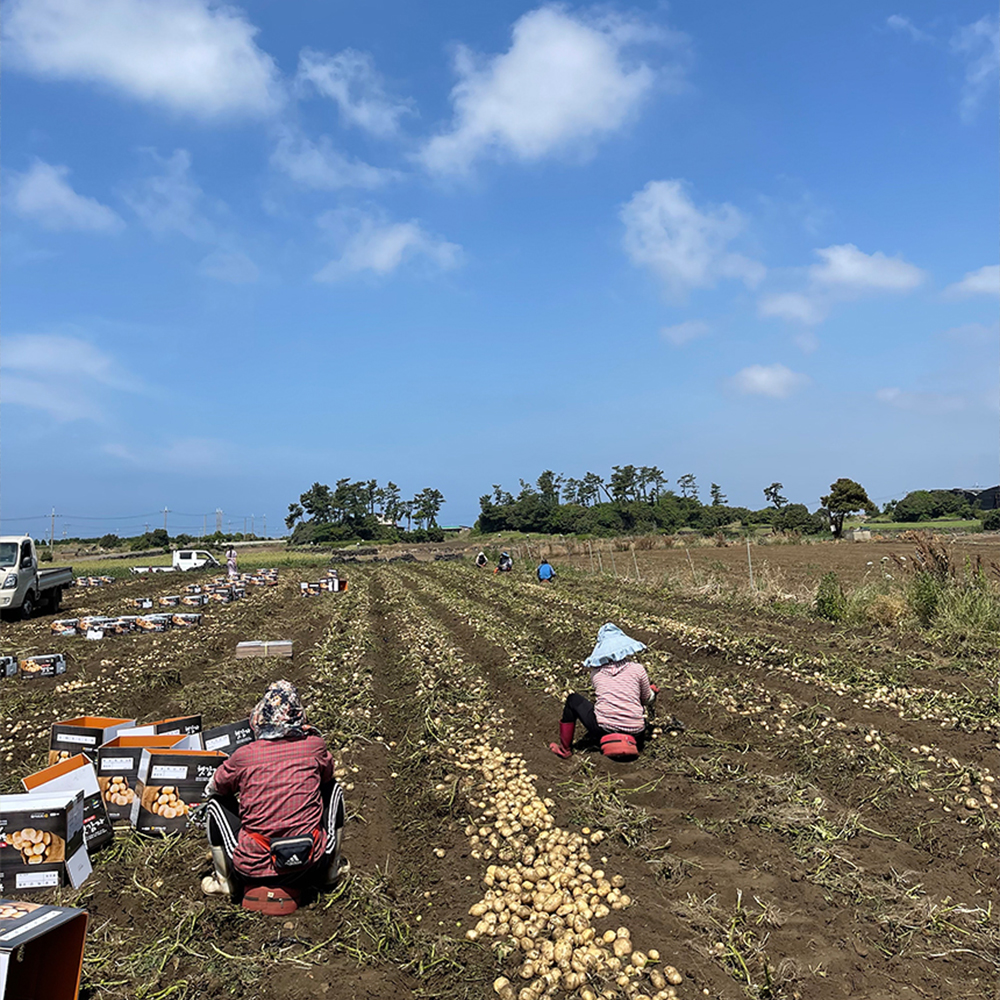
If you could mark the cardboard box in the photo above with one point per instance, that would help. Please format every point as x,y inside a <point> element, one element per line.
<point>118,768</point>
<point>153,623</point>
<point>76,774</point>
<point>41,951</point>
<point>186,619</point>
<point>228,738</point>
<point>193,588</point>
<point>170,600</point>
<point>181,725</point>
<point>257,647</point>
<point>65,626</point>
<point>170,784</point>
<point>83,735</point>
<point>194,600</point>
<point>8,666</point>
<point>52,822</point>
<point>43,666</point>
<point>144,603</point>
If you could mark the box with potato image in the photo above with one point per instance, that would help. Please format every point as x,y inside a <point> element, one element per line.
<point>170,784</point>
<point>71,775</point>
<point>41,841</point>
<point>41,950</point>
<point>118,768</point>
<point>84,734</point>
<point>8,666</point>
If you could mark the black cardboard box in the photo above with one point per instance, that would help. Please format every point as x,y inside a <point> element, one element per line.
<point>41,951</point>
<point>183,725</point>
<point>8,666</point>
<point>84,734</point>
<point>76,774</point>
<point>170,784</point>
<point>48,827</point>
<point>43,666</point>
<point>118,768</point>
<point>228,738</point>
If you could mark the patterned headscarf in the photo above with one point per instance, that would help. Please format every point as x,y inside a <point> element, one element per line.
<point>280,713</point>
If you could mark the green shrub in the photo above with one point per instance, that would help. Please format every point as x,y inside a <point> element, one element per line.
<point>830,600</point>
<point>924,595</point>
<point>991,522</point>
<point>45,555</point>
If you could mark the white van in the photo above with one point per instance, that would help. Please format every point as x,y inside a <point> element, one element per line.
<point>193,559</point>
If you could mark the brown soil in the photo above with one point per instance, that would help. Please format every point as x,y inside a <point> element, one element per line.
<point>740,830</point>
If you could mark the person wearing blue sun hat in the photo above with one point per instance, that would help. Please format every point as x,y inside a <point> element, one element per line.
<point>615,718</point>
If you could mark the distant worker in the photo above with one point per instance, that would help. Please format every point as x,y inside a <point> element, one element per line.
<point>481,560</point>
<point>274,811</point>
<point>231,562</point>
<point>615,719</point>
<point>506,564</point>
<point>545,572</point>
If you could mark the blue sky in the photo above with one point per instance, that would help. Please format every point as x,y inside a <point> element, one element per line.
<point>250,247</point>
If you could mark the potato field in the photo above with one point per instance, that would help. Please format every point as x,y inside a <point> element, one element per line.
<point>826,824</point>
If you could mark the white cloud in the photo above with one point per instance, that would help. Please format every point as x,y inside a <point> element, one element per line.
<point>775,381</point>
<point>350,80</point>
<point>921,402</point>
<point>848,269</point>
<point>979,43</point>
<point>187,55</point>
<point>565,80</point>
<point>44,195</point>
<point>320,167</point>
<point>235,267</point>
<point>184,455</point>
<point>683,333</point>
<point>985,281</point>
<point>906,27</point>
<point>683,246</point>
<point>61,375</point>
<point>171,201</point>
<point>371,243</point>
<point>794,306</point>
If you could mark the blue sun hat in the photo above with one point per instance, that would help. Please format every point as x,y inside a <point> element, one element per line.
<point>612,646</point>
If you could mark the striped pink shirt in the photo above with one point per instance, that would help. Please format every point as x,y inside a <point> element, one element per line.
<point>621,688</point>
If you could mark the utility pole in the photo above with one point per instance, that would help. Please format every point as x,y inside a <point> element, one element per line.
<point>204,526</point>
<point>252,530</point>
<point>52,531</point>
<point>244,525</point>
<point>265,525</point>
<point>218,520</point>
<point>165,512</point>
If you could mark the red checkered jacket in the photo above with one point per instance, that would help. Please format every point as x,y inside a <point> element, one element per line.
<point>278,783</point>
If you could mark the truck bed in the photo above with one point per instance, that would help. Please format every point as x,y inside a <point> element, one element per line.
<point>58,576</point>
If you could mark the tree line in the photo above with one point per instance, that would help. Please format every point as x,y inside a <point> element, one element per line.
<point>640,500</point>
<point>364,510</point>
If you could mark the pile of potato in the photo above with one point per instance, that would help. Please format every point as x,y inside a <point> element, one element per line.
<point>38,846</point>
<point>166,802</point>
<point>545,893</point>
<point>118,792</point>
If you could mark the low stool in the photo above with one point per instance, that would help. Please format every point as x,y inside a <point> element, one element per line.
<point>271,900</point>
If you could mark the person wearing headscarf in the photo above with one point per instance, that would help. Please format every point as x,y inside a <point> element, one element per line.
<point>622,689</point>
<point>281,785</point>
<point>231,562</point>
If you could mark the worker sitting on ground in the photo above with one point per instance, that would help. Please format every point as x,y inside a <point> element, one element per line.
<point>481,560</point>
<point>282,835</point>
<point>615,719</point>
<point>506,564</point>
<point>545,571</point>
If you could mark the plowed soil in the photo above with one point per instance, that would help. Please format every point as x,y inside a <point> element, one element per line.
<point>823,826</point>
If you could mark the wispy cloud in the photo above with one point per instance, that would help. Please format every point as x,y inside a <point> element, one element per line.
<point>191,57</point>
<point>320,167</point>
<point>63,376</point>
<point>682,245</point>
<point>350,80</point>
<point>985,281</point>
<point>897,22</point>
<point>567,79</point>
<point>371,243</point>
<point>775,381</point>
<point>683,333</point>
<point>191,455</point>
<point>44,195</point>
<point>235,268</point>
<point>979,45</point>
<point>921,402</point>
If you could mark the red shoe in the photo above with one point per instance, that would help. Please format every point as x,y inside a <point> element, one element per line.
<point>274,901</point>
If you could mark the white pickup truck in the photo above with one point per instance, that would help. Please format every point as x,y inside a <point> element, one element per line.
<point>183,559</point>
<point>24,587</point>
